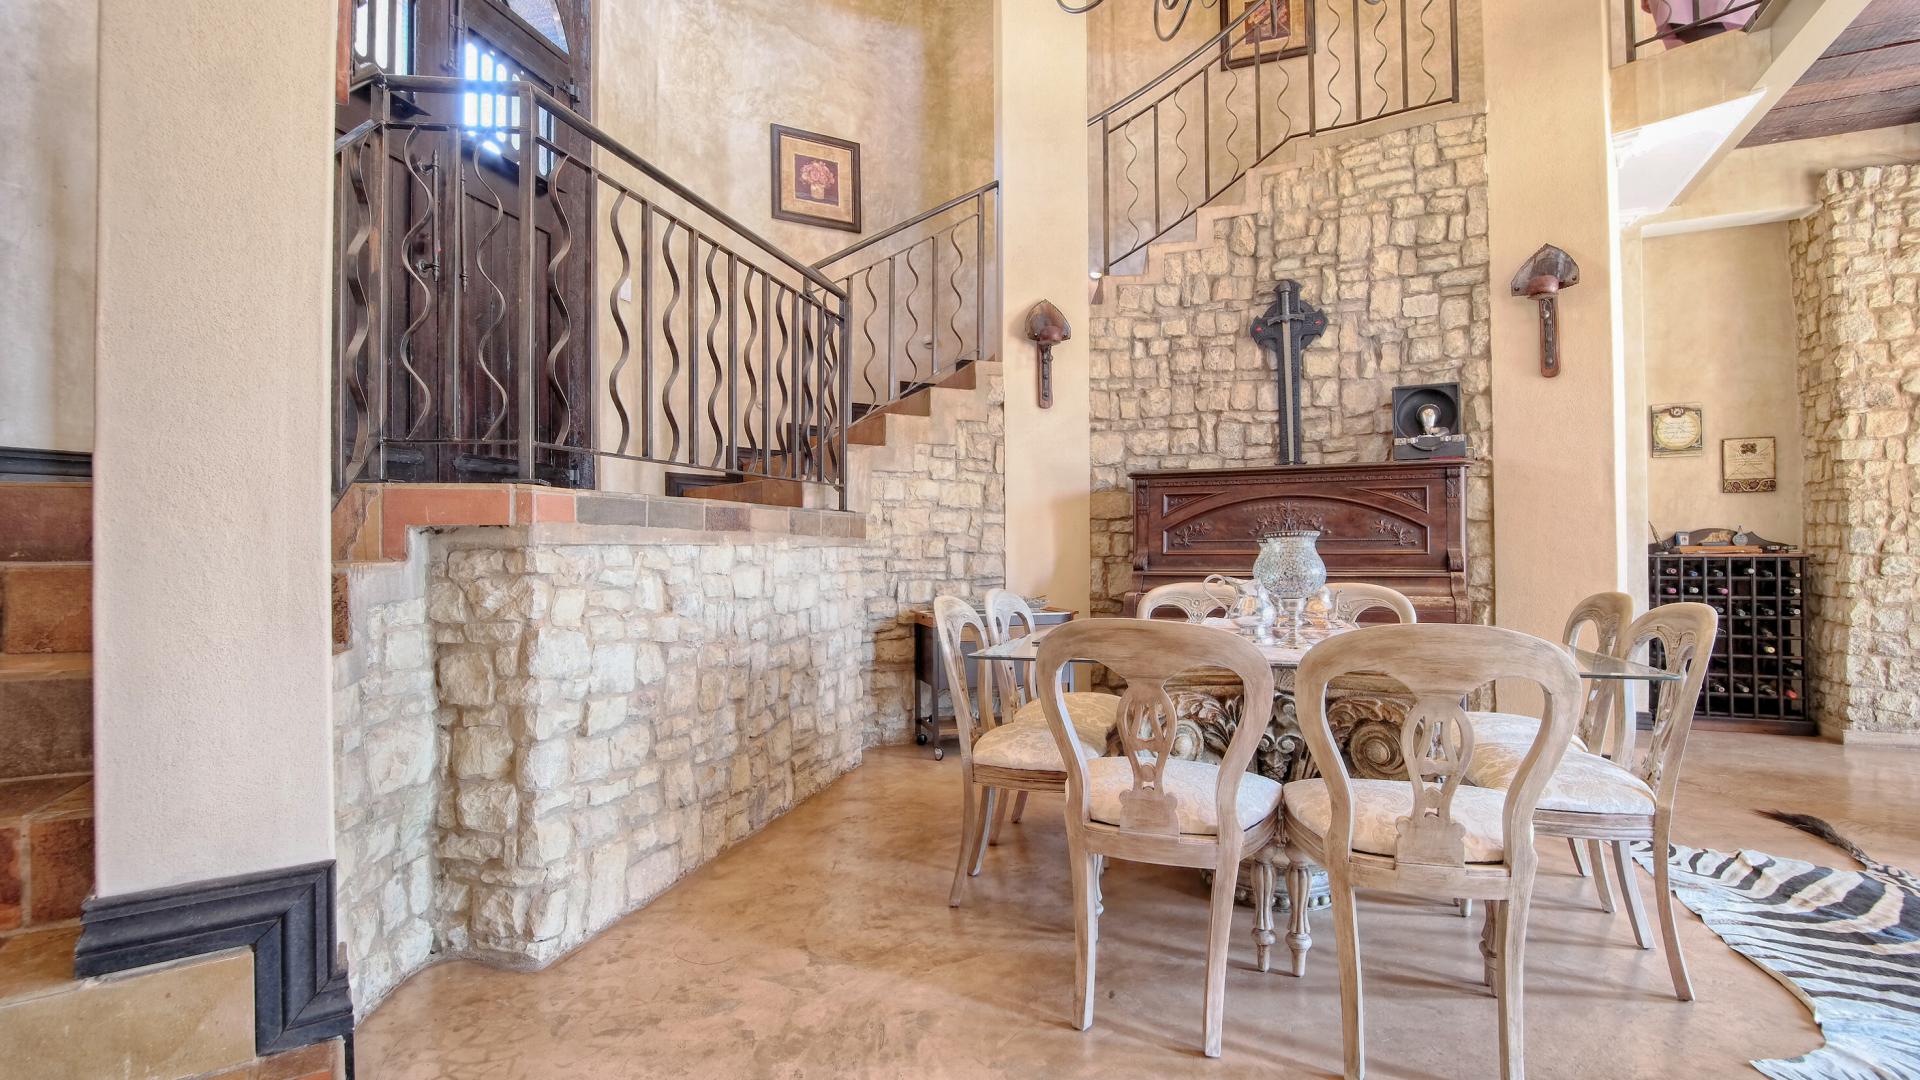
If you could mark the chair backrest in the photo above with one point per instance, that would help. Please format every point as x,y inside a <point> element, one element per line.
<point>1440,665</point>
<point>1195,599</point>
<point>1146,655</point>
<point>1347,600</point>
<point>953,620</point>
<point>1685,633</point>
<point>1607,613</point>
<point>1006,611</point>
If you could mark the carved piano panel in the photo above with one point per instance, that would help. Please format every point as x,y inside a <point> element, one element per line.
<point>1398,524</point>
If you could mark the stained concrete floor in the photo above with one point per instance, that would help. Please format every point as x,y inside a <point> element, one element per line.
<point>824,947</point>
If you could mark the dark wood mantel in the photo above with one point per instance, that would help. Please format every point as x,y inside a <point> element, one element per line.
<point>1400,524</point>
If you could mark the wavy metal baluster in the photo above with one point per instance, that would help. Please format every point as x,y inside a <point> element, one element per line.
<point>913,335</point>
<point>673,345</point>
<point>619,321</point>
<point>780,366</point>
<point>497,306</point>
<point>1233,120</point>
<point>1133,189</point>
<point>1379,26</point>
<point>422,226</point>
<point>356,355</point>
<point>1333,55</point>
<point>1179,174</point>
<point>564,336</point>
<point>1433,42</point>
<point>866,331</point>
<point>752,339</point>
<point>713,360</point>
<point>959,298</point>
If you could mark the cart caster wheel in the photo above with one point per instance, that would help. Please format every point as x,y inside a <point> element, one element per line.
<point>920,737</point>
<point>939,754</point>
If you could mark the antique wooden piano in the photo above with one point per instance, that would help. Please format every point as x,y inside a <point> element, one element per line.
<point>1400,524</point>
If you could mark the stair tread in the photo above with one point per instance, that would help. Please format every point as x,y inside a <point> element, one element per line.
<point>19,667</point>
<point>34,963</point>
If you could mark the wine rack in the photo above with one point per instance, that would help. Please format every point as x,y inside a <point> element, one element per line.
<point>1757,675</point>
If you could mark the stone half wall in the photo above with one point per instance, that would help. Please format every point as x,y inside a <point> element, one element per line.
<point>539,728</point>
<point>1388,235</point>
<point>1857,278</point>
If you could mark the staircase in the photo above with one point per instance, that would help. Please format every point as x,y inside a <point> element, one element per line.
<point>46,728</point>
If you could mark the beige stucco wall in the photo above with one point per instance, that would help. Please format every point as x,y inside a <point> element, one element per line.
<point>211,680</point>
<point>1720,331</point>
<point>694,86</point>
<point>1780,181</point>
<point>47,63</point>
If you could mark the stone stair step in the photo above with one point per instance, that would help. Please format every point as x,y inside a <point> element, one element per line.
<point>46,607</point>
<point>762,491</point>
<point>46,714</point>
<point>46,522</point>
<point>46,850</point>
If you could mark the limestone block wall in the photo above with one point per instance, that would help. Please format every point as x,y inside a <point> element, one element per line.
<point>1857,266</point>
<point>1388,236</point>
<point>387,755</point>
<point>618,712</point>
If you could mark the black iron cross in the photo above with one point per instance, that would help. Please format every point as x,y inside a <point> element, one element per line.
<point>1287,328</point>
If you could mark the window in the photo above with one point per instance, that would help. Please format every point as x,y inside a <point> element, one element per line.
<point>383,35</point>
<point>491,118</point>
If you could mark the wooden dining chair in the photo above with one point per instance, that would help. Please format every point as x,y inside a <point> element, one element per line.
<point>996,753</point>
<point>1595,624</point>
<point>1010,616</point>
<point>1629,793</point>
<point>1426,835</point>
<point>1194,599</point>
<point>1145,805</point>
<point>1349,599</point>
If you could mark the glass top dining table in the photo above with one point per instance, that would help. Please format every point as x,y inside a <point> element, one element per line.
<point>1282,655</point>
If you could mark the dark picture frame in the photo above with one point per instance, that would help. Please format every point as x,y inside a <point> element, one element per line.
<point>1255,46</point>
<point>833,168</point>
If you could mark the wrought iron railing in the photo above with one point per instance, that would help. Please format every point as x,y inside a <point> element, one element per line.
<point>920,297</point>
<point>1281,70</point>
<point>573,326</point>
<point>1677,22</point>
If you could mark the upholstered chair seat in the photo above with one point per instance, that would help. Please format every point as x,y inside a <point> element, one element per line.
<point>1584,783</point>
<point>1028,746</point>
<point>1379,805</point>
<point>1511,728</point>
<point>1191,783</point>
<point>1092,715</point>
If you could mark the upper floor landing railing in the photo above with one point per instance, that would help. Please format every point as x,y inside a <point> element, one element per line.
<point>1280,70</point>
<point>519,296</point>
<point>1671,23</point>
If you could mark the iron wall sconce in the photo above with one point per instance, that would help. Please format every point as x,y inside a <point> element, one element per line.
<point>1047,327</point>
<point>1540,279</point>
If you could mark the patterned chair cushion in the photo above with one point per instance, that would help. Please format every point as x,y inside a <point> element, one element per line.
<point>1378,806</point>
<point>1587,783</point>
<point>1192,784</point>
<point>1025,744</point>
<point>1509,728</point>
<point>1092,716</point>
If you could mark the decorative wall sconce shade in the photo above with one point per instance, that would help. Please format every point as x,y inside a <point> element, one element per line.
<point>1047,327</point>
<point>1540,279</point>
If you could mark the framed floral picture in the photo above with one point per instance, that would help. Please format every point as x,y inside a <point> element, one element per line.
<point>1746,464</point>
<point>816,179</point>
<point>1279,30</point>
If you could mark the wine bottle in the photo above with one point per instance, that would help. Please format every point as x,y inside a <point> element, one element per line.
<point>1741,688</point>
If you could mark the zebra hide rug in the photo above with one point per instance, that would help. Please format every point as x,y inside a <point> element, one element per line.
<point>1845,942</point>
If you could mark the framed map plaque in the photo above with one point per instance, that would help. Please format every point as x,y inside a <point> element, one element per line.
<point>1677,430</point>
<point>1747,464</point>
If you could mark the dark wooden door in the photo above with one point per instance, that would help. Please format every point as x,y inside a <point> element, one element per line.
<point>456,296</point>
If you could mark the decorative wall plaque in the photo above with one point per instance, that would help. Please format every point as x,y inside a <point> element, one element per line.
<point>1677,430</point>
<point>1746,464</point>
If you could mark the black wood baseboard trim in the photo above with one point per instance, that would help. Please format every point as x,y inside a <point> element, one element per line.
<point>24,461</point>
<point>286,917</point>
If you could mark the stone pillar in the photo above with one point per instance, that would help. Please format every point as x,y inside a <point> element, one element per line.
<point>1559,513</point>
<point>1040,133</point>
<point>1857,261</point>
<point>212,733</point>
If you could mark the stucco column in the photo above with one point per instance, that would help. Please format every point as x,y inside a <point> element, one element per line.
<point>1560,502</point>
<point>1040,134</point>
<point>213,748</point>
